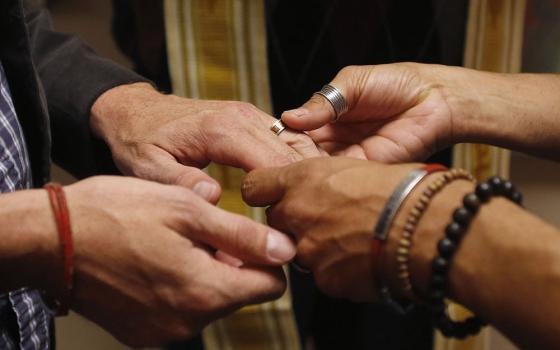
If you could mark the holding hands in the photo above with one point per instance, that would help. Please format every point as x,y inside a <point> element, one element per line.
<point>166,272</point>
<point>330,206</point>
<point>167,138</point>
<point>144,265</point>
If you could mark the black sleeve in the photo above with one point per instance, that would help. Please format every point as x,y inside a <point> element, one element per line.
<point>73,77</point>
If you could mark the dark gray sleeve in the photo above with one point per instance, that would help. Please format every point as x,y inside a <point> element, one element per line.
<point>73,77</point>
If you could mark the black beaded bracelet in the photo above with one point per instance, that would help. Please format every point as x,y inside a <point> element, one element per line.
<point>446,248</point>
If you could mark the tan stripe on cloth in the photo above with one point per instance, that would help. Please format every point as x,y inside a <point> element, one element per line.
<point>217,50</point>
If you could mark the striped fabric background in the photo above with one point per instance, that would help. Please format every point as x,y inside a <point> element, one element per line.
<point>217,50</point>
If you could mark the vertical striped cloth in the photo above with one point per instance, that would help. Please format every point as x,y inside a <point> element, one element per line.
<point>217,50</point>
<point>24,319</point>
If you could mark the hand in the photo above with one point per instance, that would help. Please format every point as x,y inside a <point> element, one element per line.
<point>397,113</point>
<point>331,206</point>
<point>144,268</point>
<point>166,138</point>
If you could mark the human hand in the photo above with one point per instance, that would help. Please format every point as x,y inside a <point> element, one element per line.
<point>166,138</point>
<point>331,206</point>
<point>143,264</point>
<point>397,113</point>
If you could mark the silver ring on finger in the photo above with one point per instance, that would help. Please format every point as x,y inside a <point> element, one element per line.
<point>278,127</point>
<point>336,99</point>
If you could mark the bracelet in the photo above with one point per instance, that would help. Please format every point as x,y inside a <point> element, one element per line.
<point>447,247</point>
<point>62,217</point>
<point>406,242</point>
<point>381,231</point>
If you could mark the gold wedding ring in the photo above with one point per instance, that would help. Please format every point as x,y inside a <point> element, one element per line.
<point>278,127</point>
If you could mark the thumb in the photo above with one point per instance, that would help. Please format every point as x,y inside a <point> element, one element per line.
<point>318,111</point>
<point>312,115</point>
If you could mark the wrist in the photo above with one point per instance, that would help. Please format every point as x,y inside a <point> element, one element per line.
<point>499,109</point>
<point>429,230</point>
<point>463,91</point>
<point>30,247</point>
<point>116,106</point>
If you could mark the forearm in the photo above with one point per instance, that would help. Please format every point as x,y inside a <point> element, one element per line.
<point>515,111</point>
<point>507,269</point>
<point>28,241</point>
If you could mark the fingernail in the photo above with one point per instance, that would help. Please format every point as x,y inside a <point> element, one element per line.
<point>279,247</point>
<point>300,112</point>
<point>205,189</point>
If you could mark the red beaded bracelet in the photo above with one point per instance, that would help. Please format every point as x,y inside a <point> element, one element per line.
<point>62,216</point>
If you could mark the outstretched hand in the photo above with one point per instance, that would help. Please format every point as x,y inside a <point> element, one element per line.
<point>397,113</point>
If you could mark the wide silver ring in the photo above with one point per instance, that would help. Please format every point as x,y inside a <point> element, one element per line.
<point>278,127</point>
<point>336,99</point>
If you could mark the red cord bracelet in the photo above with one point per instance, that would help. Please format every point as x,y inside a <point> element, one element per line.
<point>62,216</point>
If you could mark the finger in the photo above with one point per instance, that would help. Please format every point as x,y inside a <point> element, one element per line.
<point>262,151</point>
<point>249,143</point>
<point>348,133</point>
<point>318,111</point>
<point>301,143</point>
<point>262,187</point>
<point>312,115</point>
<point>164,168</point>
<point>228,259</point>
<point>250,285</point>
<point>242,237</point>
<point>273,219</point>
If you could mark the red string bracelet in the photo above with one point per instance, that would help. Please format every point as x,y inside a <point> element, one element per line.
<point>62,217</point>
